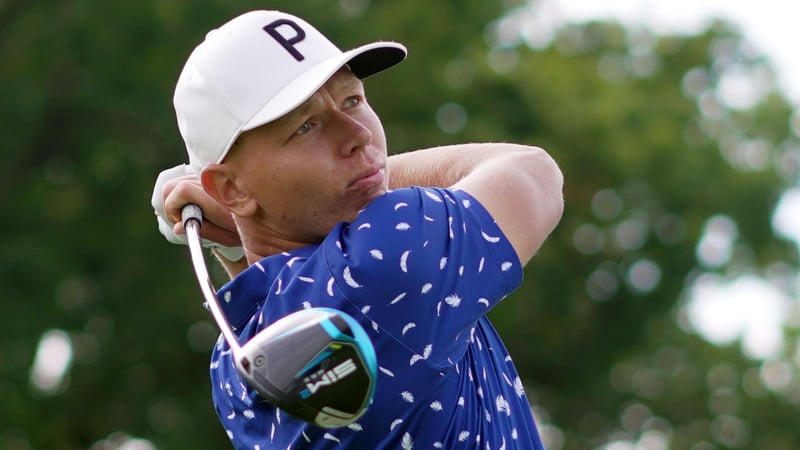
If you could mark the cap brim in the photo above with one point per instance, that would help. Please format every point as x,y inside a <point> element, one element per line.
<point>363,61</point>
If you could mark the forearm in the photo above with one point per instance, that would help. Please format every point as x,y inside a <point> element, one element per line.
<point>443,166</point>
<point>520,186</point>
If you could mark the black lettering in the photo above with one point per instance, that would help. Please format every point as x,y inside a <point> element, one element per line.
<point>288,44</point>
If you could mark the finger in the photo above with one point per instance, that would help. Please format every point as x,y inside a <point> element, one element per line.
<point>219,235</point>
<point>220,217</point>
<point>182,193</point>
<point>178,228</point>
<point>213,233</point>
<point>172,183</point>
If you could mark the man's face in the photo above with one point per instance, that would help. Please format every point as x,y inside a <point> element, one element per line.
<point>318,165</point>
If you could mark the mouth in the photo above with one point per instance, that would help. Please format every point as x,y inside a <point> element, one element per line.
<point>369,179</point>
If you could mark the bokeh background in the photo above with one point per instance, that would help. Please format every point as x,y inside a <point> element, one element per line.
<point>662,313</point>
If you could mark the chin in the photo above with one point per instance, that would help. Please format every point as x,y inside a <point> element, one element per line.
<point>373,195</point>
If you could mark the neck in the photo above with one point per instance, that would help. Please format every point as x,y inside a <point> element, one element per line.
<point>260,240</point>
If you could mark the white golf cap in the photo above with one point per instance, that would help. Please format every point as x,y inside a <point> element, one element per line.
<point>254,69</point>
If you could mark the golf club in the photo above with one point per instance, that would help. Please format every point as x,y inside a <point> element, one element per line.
<point>317,364</point>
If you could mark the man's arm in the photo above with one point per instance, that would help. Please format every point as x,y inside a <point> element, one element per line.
<point>520,186</point>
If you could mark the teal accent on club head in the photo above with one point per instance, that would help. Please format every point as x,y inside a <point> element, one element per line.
<point>360,339</point>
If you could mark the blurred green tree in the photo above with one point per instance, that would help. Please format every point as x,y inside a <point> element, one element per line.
<point>650,149</point>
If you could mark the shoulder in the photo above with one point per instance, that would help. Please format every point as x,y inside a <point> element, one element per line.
<point>421,204</point>
<point>408,235</point>
<point>406,218</point>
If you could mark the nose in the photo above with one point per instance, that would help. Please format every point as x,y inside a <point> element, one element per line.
<point>353,134</point>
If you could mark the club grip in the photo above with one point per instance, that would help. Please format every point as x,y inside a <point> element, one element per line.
<point>191,211</point>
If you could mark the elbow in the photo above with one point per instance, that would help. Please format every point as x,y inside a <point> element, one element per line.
<point>522,187</point>
<point>547,182</point>
<point>555,189</point>
<point>542,205</point>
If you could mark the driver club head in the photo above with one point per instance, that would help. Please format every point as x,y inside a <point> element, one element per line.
<point>317,364</point>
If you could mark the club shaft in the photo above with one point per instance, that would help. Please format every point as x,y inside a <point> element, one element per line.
<point>192,225</point>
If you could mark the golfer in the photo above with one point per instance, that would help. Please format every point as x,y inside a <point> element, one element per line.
<point>293,166</point>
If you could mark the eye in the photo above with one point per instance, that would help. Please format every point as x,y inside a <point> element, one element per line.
<point>352,101</point>
<point>304,128</point>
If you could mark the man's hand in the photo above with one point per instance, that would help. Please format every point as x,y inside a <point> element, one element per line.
<point>179,186</point>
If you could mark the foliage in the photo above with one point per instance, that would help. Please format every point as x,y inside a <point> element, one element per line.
<point>638,123</point>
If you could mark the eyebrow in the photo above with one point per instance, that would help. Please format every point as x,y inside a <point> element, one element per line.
<point>289,119</point>
<point>302,109</point>
<point>351,81</point>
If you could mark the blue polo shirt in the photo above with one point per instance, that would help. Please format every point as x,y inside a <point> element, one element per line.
<point>419,268</point>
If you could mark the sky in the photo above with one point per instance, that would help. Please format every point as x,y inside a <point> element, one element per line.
<point>771,25</point>
<point>749,309</point>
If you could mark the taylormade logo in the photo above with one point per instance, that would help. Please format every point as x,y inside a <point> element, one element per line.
<point>322,378</point>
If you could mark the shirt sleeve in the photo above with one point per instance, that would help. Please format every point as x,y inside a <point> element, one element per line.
<point>424,264</point>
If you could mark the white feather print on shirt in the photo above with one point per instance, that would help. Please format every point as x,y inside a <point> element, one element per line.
<point>329,287</point>
<point>398,298</point>
<point>408,397</point>
<point>518,387</point>
<point>425,354</point>
<point>492,239</point>
<point>407,443</point>
<point>453,300</point>
<point>404,261</point>
<point>293,260</point>
<point>502,405</point>
<point>433,196</point>
<point>348,278</point>
<point>331,437</point>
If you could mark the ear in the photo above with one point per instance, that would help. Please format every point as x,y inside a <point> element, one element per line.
<point>221,184</point>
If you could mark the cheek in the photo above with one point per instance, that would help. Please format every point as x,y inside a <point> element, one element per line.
<point>304,181</point>
<point>269,181</point>
<point>373,123</point>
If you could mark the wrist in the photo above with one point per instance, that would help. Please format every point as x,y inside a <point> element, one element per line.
<point>232,254</point>
<point>232,267</point>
